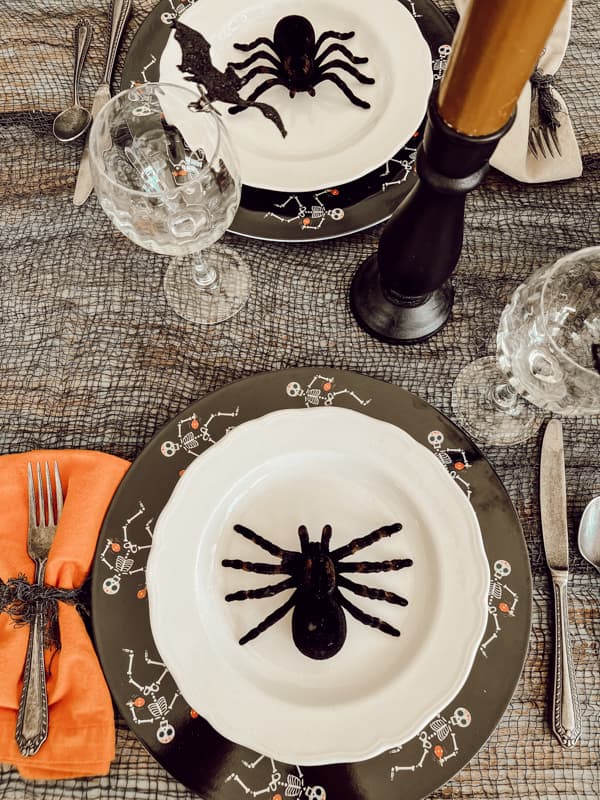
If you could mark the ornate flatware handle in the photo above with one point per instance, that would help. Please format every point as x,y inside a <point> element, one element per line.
<point>32,719</point>
<point>118,14</point>
<point>566,716</point>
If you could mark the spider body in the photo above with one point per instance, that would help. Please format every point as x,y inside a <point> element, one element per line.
<point>315,575</point>
<point>295,60</point>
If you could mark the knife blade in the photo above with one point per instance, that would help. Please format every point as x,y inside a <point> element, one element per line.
<point>119,12</point>
<point>566,717</point>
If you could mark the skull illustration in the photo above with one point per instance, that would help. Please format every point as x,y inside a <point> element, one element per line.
<point>502,568</point>
<point>165,732</point>
<point>461,717</point>
<point>111,585</point>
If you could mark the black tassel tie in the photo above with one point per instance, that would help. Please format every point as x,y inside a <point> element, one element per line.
<point>22,600</point>
<point>548,105</point>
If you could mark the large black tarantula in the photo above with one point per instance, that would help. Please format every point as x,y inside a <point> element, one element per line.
<point>318,620</point>
<point>295,61</point>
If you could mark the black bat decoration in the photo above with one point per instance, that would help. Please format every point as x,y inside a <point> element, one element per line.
<point>222,86</point>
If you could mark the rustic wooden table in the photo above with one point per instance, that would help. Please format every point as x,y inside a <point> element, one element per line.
<point>93,358</point>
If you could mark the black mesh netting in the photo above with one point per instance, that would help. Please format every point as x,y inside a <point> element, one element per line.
<point>92,357</point>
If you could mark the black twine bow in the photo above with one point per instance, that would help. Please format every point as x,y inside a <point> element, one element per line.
<point>22,600</point>
<point>548,105</point>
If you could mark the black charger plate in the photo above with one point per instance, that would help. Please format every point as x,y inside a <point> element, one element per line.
<point>143,689</point>
<point>309,216</point>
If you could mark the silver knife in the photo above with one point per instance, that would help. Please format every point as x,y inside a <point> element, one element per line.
<point>119,12</point>
<point>566,717</point>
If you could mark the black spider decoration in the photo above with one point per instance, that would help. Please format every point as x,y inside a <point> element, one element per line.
<point>318,620</point>
<point>296,62</point>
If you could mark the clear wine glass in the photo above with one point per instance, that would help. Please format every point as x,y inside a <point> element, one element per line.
<point>167,176</point>
<point>548,355</point>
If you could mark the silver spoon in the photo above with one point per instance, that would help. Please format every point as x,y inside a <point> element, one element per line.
<point>75,120</point>
<point>589,533</point>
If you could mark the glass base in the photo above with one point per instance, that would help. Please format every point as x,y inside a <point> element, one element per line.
<point>476,411</point>
<point>216,301</point>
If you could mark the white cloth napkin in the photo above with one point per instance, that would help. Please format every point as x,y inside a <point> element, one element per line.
<point>512,156</point>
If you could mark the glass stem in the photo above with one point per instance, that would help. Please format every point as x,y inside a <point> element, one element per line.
<point>504,397</point>
<point>204,276</point>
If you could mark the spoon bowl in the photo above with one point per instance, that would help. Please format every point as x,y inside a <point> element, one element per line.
<point>71,123</point>
<point>588,538</point>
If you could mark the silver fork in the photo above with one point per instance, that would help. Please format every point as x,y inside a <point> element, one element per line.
<point>543,137</point>
<point>32,719</point>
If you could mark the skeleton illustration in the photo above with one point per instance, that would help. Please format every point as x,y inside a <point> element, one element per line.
<point>289,786</point>
<point>407,164</point>
<point>157,710</point>
<point>454,459</point>
<point>441,62</point>
<point>320,391</point>
<point>496,604</point>
<point>191,434</point>
<point>413,10</point>
<point>177,9</point>
<point>439,730</point>
<point>310,218</point>
<point>125,552</point>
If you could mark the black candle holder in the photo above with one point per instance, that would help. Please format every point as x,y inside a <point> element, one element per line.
<point>398,295</point>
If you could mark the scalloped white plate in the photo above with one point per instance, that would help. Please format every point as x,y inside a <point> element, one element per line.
<point>330,141</point>
<point>312,467</point>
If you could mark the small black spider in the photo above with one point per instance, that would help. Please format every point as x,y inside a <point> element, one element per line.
<point>297,64</point>
<point>318,620</point>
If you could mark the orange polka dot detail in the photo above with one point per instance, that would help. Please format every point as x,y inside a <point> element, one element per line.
<point>115,547</point>
<point>438,751</point>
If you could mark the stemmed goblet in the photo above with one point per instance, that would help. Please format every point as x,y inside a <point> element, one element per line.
<point>548,355</point>
<point>166,174</point>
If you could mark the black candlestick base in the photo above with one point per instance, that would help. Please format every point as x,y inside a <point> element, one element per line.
<point>401,294</point>
<point>386,320</point>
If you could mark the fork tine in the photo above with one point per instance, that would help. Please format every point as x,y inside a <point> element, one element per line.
<point>50,517</point>
<point>59,491</point>
<point>555,140</point>
<point>540,143</point>
<point>40,487</point>
<point>31,493</point>
<point>531,143</point>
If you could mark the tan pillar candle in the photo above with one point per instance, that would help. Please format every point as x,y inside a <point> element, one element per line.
<point>496,48</point>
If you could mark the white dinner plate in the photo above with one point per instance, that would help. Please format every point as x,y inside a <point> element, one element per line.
<point>330,141</point>
<point>315,467</point>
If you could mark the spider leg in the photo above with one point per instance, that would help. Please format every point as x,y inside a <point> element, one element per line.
<point>247,533</point>
<point>251,566</point>
<point>366,619</point>
<point>303,536</point>
<point>372,593</point>
<point>364,541</point>
<point>264,591</point>
<point>256,93</point>
<point>375,566</point>
<point>254,57</point>
<point>278,614</point>
<point>326,538</point>
<point>341,85</point>
<point>258,71</point>
<point>250,45</point>
<point>334,48</point>
<point>337,62</point>
<point>332,35</point>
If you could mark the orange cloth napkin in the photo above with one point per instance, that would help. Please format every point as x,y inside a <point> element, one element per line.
<point>81,734</point>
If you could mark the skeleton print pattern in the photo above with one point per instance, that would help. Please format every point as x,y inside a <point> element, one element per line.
<point>502,601</point>
<point>321,392</point>
<point>407,164</point>
<point>441,62</point>
<point>152,703</point>
<point>192,434</point>
<point>310,219</point>
<point>278,784</point>
<point>454,459</point>
<point>439,739</point>
<point>121,556</point>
